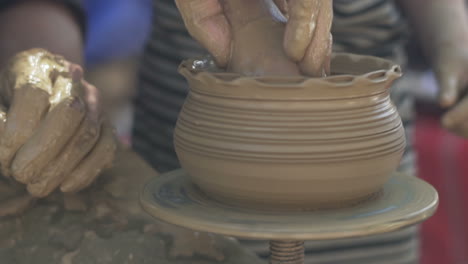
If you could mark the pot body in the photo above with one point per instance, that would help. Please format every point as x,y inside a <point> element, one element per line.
<point>291,143</point>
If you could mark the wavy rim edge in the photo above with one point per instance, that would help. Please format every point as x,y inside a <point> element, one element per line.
<point>385,70</point>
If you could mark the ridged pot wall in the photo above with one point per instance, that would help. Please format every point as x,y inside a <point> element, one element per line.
<point>291,143</point>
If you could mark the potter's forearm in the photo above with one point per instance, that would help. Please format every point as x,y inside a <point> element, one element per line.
<point>43,24</point>
<point>437,23</point>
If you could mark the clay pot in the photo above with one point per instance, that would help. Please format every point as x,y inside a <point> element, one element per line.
<point>291,142</point>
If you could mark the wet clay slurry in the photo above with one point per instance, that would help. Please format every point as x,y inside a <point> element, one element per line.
<point>292,142</point>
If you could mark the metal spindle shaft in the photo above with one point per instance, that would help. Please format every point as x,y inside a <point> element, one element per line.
<point>287,252</point>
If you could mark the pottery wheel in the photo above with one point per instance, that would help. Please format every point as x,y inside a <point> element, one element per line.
<point>403,201</point>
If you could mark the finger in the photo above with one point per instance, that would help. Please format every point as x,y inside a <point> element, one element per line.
<point>50,138</point>
<point>67,84</point>
<point>461,130</point>
<point>316,63</point>
<point>318,52</point>
<point>27,109</point>
<point>92,99</point>
<point>456,116</point>
<point>449,83</point>
<point>26,87</point>
<point>206,22</point>
<point>100,158</point>
<point>301,26</point>
<point>79,146</point>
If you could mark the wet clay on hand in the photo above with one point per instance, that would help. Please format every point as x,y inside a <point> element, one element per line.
<point>257,40</point>
<point>307,39</point>
<point>52,123</point>
<point>257,37</point>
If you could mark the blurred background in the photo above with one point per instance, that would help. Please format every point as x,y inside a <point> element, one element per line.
<point>116,34</point>
<point>118,29</point>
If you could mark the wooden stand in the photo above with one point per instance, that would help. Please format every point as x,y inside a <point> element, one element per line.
<point>403,201</point>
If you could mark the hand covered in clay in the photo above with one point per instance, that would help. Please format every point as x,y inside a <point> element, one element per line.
<point>451,68</point>
<point>307,38</point>
<point>52,134</point>
<point>243,36</point>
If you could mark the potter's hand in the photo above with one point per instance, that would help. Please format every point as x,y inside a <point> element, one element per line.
<point>206,22</point>
<point>52,135</point>
<point>307,39</point>
<point>451,68</point>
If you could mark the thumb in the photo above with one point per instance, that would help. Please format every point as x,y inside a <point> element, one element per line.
<point>448,81</point>
<point>301,27</point>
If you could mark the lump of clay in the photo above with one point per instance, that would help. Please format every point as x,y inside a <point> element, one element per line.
<point>257,40</point>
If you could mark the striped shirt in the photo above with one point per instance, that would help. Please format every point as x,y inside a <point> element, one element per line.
<point>370,27</point>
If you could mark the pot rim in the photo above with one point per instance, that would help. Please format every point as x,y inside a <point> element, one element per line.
<point>355,76</point>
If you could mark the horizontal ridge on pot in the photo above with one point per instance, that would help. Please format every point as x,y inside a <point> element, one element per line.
<point>220,123</point>
<point>398,146</point>
<point>296,148</point>
<point>304,142</point>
